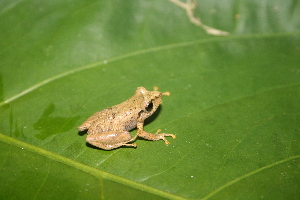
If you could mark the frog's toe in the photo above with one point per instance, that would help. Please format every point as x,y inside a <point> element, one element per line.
<point>81,128</point>
<point>131,145</point>
<point>162,136</point>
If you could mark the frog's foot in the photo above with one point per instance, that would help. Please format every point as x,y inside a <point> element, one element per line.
<point>131,145</point>
<point>156,136</point>
<point>110,146</point>
<point>82,128</point>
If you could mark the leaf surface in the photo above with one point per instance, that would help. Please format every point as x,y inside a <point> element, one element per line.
<point>234,102</point>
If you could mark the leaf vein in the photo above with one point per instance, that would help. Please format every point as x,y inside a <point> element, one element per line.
<point>132,54</point>
<point>230,183</point>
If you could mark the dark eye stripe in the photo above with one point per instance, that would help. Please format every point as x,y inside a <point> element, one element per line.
<point>149,107</point>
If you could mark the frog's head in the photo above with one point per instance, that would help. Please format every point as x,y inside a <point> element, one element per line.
<point>151,101</point>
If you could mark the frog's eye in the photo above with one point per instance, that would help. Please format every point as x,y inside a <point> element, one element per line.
<point>149,107</point>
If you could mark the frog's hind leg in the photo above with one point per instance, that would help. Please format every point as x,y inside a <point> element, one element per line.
<point>131,140</point>
<point>109,140</point>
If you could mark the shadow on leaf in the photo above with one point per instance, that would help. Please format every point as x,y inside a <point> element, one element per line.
<point>53,125</point>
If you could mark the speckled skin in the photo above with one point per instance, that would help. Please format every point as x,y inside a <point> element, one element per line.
<point>109,128</point>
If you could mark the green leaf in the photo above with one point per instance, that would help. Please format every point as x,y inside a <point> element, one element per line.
<point>234,103</point>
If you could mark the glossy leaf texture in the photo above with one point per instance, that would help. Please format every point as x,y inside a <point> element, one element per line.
<point>234,102</point>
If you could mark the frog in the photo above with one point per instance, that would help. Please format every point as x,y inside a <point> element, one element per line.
<point>110,128</point>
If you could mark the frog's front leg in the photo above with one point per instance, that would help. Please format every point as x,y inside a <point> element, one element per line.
<point>110,139</point>
<point>151,136</point>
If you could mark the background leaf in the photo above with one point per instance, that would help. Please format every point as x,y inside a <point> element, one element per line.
<point>234,102</point>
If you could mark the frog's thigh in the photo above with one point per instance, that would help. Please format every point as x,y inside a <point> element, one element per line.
<point>110,139</point>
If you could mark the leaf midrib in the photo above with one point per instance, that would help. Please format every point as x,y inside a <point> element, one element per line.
<point>101,174</point>
<point>85,168</point>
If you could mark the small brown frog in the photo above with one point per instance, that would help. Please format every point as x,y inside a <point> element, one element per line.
<point>109,128</point>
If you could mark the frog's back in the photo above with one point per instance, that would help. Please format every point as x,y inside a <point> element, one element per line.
<point>108,119</point>
<point>97,117</point>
